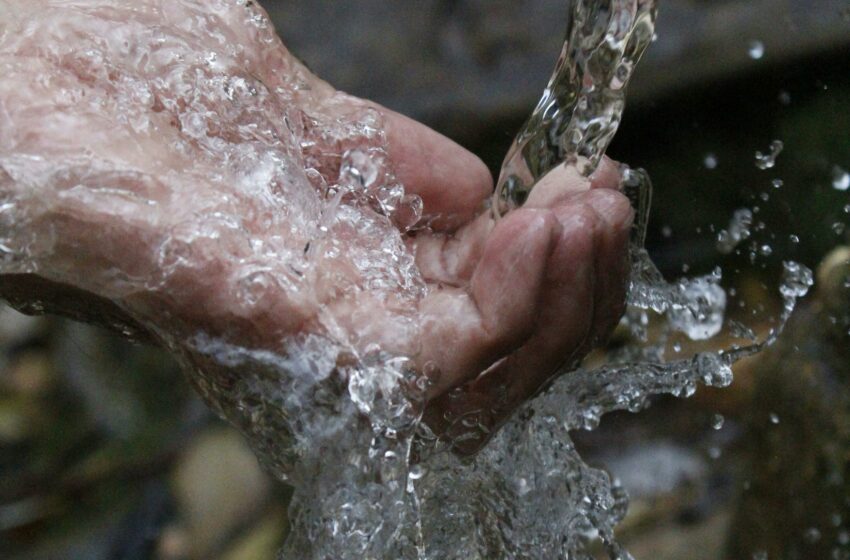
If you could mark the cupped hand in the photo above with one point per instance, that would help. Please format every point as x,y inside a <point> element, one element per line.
<point>173,159</point>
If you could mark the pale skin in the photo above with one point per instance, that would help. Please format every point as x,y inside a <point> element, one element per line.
<point>507,303</point>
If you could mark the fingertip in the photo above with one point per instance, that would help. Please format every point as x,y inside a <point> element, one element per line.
<point>557,185</point>
<point>608,175</point>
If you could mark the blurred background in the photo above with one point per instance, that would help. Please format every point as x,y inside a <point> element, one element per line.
<point>105,453</point>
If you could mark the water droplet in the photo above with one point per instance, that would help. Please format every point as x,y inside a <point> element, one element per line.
<point>774,418</point>
<point>840,179</point>
<point>793,239</point>
<point>358,169</point>
<point>713,370</point>
<point>667,232</point>
<point>796,280</point>
<point>710,161</point>
<point>812,535</point>
<point>717,421</point>
<point>766,250</point>
<point>768,161</point>
<point>702,317</point>
<point>737,231</point>
<point>838,228</point>
<point>777,183</point>
<point>784,98</point>
<point>715,452</point>
<point>760,555</point>
<point>756,50</point>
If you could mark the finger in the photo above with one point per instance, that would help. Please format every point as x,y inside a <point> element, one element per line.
<point>450,258</point>
<point>585,293</point>
<point>582,299</point>
<point>563,325</point>
<point>608,175</point>
<point>565,181</point>
<point>464,332</point>
<point>611,254</point>
<point>452,182</point>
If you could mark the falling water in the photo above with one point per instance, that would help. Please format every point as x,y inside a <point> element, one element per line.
<point>581,108</point>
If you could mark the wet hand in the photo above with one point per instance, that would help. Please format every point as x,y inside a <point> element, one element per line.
<point>177,161</point>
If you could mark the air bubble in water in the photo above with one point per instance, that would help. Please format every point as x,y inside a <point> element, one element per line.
<point>768,161</point>
<point>416,472</point>
<point>359,168</point>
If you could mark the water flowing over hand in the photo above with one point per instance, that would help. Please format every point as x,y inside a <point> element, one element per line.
<point>168,168</point>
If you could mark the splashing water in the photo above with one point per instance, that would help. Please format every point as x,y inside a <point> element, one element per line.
<point>337,421</point>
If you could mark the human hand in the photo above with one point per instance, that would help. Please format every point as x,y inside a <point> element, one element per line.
<point>174,159</point>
